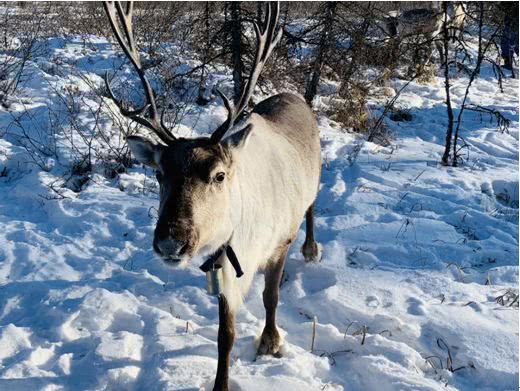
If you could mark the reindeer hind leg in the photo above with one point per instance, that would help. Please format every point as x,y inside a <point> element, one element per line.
<point>310,249</point>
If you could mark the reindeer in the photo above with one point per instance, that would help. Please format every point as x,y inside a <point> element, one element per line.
<point>242,195</point>
<point>457,18</point>
<point>427,23</point>
<point>411,24</point>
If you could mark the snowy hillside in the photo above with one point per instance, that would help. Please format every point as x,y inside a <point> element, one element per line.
<point>416,257</point>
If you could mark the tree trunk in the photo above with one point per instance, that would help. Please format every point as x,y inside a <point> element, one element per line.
<point>449,109</point>
<point>481,52</point>
<point>202,99</point>
<point>236,48</point>
<point>259,11</point>
<point>321,51</point>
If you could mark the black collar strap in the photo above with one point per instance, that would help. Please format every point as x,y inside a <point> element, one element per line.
<point>210,263</point>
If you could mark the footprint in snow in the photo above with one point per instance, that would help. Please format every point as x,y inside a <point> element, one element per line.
<point>318,279</point>
<point>372,301</point>
<point>257,382</point>
<point>415,306</point>
<point>477,307</point>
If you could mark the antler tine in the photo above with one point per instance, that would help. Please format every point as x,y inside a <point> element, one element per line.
<point>266,39</point>
<point>126,17</point>
<point>127,42</point>
<point>222,129</point>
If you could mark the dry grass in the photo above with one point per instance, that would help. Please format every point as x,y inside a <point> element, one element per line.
<point>426,73</point>
<point>508,299</point>
<point>351,111</point>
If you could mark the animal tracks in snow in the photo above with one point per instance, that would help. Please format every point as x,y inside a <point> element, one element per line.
<point>413,253</point>
<point>415,306</point>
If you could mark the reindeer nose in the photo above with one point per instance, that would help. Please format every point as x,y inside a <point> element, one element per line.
<point>169,248</point>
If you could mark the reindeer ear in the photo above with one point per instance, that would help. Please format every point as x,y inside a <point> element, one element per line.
<point>239,139</point>
<point>145,151</point>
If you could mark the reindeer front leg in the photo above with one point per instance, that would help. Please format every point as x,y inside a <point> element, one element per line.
<point>270,340</point>
<point>226,337</point>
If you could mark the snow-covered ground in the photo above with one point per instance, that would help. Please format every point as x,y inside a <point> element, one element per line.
<point>415,256</point>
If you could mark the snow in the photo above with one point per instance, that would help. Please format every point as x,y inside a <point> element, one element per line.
<point>414,256</point>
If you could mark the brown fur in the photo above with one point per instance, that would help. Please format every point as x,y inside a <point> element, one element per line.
<point>188,166</point>
<point>226,337</point>
<point>270,340</point>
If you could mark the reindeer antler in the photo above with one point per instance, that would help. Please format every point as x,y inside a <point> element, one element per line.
<point>266,40</point>
<point>147,115</point>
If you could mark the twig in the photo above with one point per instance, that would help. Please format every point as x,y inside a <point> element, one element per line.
<point>502,122</point>
<point>314,321</point>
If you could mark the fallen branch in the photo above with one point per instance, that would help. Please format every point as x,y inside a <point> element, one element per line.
<point>502,122</point>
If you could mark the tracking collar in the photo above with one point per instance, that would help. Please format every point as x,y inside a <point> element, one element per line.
<point>209,265</point>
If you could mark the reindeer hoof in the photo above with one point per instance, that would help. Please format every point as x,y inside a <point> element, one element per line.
<point>270,343</point>
<point>221,385</point>
<point>311,251</point>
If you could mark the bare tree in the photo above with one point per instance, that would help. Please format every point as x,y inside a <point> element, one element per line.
<point>449,109</point>
<point>484,44</point>
<point>322,49</point>
<point>235,25</point>
<point>20,33</point>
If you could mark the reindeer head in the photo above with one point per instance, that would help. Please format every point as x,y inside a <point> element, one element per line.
<point>195,178</point>
<point>195,175</point>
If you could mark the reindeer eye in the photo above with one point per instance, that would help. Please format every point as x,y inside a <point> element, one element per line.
<point>220,177</point>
